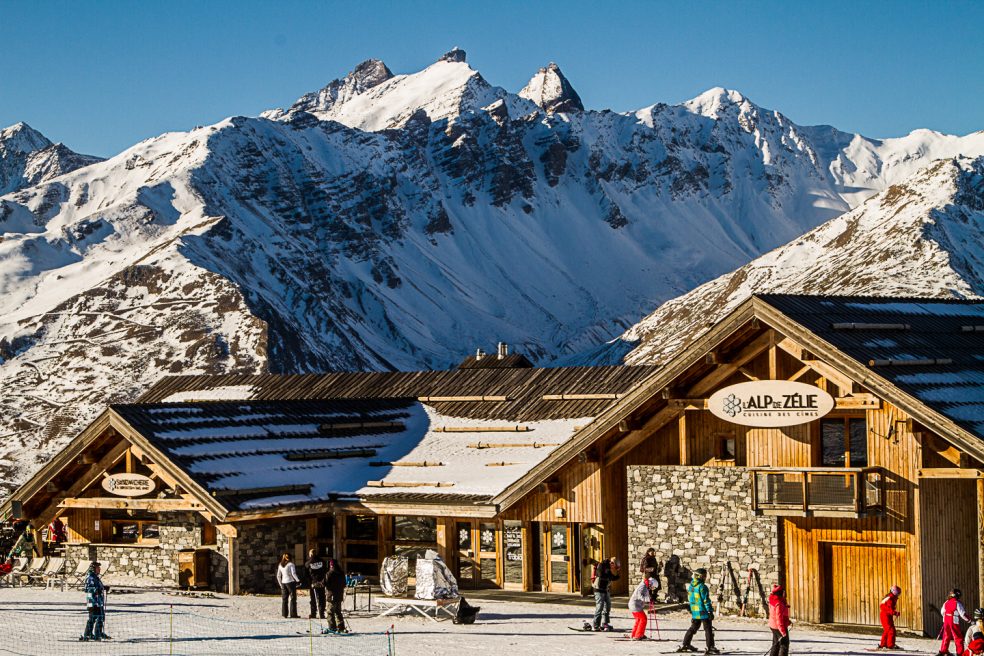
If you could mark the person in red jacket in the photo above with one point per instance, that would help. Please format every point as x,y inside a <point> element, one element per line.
<point>952,612</point>
<point>779,621</point>
<point>888,615</point>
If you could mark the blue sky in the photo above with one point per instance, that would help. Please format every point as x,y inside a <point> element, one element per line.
<point>100,76</point>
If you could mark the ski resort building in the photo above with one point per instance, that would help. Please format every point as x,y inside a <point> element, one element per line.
<point>833,444</point>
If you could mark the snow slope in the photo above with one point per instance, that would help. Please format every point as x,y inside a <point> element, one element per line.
<point>396,222</point>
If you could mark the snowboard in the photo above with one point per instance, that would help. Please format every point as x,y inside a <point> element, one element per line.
<point>583,630</point>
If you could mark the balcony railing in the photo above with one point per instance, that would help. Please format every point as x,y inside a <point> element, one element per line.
<point>818,492</point>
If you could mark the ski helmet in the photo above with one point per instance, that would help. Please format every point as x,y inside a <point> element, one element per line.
<point>896,590</point>
<point>956,593</point>
<point>979,614</point>
<point>701,572</point>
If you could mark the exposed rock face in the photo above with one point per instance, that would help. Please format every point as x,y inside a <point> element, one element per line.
<point>28,158</point>
<point>552,92</point>
<point>363,77</point>
<point>456,54</point>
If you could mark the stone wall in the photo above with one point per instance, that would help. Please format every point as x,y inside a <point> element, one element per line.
<point>702,517</point>
<point>146,564</point>
<point>260,547</point>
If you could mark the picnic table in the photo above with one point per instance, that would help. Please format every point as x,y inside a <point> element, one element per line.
<point>448,607</point>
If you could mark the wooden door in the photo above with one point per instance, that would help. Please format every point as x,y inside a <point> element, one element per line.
<point>857,578</point>
<point>488,554</point>
<point>557,548</point>
<point>592,548</point>
<point>466,537</point>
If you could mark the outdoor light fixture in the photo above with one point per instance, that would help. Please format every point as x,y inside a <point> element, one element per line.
<point>559,513</point>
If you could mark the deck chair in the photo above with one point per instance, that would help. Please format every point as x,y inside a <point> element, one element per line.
<point>35,570</point>
<point>76,579</point>
<point>54,573</point>
<point>20,564</point>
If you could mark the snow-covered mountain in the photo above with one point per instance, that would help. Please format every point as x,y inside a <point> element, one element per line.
<point>397,221</point>
<point>28,158</point>
<point>923,237</point>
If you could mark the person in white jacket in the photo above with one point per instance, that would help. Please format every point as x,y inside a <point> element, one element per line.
<point>287,579</point>
<point>639,605</point>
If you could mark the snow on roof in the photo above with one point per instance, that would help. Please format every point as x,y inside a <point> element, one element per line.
<point>226,393</point>
<point>337,447</point>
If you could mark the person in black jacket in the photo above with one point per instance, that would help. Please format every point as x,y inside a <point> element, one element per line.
<point>317,571</point>
<point>335,584</point>
<point>604,573</point>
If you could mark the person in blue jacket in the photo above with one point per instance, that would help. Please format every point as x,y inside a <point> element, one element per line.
<point>701,613</point>
<point>95,602</point>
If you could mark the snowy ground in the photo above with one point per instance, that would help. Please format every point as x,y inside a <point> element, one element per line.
<point>49,622</point>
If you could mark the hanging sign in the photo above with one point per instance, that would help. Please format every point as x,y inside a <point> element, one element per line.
<point>128,485</point>
<point>770,403</point>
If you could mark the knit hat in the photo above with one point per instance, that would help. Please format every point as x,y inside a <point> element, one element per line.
<point>896,590</point>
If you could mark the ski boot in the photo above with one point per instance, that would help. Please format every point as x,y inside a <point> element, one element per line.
<point>712,650</point>
<point>686,649</point>
<point>607,627</point>
<point>84,638</point>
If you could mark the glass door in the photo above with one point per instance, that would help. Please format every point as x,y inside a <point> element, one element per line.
<point>592,548</point>
<point>557,551</point>
<point>488,554</point>
<point>512,548</point>
<point>467,564</point>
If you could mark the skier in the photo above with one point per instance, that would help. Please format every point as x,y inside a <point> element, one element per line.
<point>601,580</point>
<point>887,614</point>
<point>317,571</point>
<point>975,631</point>
<point>287,579</point>
<point>701,612</point>
<point>639,605</point>
<point>95,603</point>
<point>335,582</point>
<point>952,612</point>
<point>779,621</point>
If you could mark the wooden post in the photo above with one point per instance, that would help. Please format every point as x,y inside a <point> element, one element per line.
<point>980,539</point>
<point>682,434</point>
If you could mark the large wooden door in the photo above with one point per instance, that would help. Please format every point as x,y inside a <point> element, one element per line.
<point>557,548</point>
<point>857,578</point>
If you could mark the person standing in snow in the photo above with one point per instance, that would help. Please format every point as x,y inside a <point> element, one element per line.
<point>779,621</point>
<point>335,583</point>
<point>639,607</point>
<point>287,578</point>
<point>95,603</point>
<point>952,612</point>
<point>975,632</point>
<point>887,614</point>
<point>601,580</point>
<point>317,571</point>
<point>701,613</point>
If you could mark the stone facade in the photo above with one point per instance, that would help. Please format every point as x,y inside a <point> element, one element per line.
<point>159,562</point>
<point>260,547</point>
<point>702,517</point>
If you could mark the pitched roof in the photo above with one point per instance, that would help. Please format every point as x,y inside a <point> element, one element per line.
<point>932,349</point>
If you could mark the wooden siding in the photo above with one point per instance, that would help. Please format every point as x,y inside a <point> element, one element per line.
<point>578,494</point>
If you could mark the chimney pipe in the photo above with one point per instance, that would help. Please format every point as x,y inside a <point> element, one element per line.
<point>503,350</point>
<point>479,354</point>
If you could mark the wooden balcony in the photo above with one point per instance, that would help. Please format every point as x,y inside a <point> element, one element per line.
<point>817,491</point>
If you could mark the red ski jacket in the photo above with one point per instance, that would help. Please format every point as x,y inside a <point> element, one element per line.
<point>887,605</point>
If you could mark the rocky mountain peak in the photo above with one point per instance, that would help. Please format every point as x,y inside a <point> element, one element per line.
<point>717,101</point>
<point>368,74</point>
<point>455,54</point>
<point>21,138</point>
<point>551,91</point>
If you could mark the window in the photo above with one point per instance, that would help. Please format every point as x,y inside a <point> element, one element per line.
<point>413,537</point>
<point>726,446</point>
<point>133,532</point>
<point>844,442</point>
<point>360,527</point>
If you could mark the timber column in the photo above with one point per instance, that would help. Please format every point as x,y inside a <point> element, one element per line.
<point>232,555</point>
<point>980,540</point>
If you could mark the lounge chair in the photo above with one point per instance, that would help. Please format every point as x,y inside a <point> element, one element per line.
<point>35,570</point>
<point>54,573</point>
<point>20,564</point>
<point>76,579</point>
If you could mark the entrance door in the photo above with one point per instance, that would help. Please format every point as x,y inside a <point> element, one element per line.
<point>467,571</point>
<point>858,577</point>
<point>556,547</point>
<point>488,554</point>
<point>592,548</point>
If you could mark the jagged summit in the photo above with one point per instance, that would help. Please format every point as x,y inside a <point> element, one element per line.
<point>455,54</point>
<point>713,102</point>
<point>27,158</point>
<point>551,91</point>
<point>365,76</point>
<point>21,138</point>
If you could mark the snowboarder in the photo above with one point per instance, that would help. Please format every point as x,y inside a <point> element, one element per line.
<point>601,580</point>
<point>779,621</point>
<point>701,612</point>
<point>287,579</point>
<point>639,605</point>
<point>975,631</point>
<point>317,571</point>
<point>335,583</point>
<point>95,603</point>
<point>887,614</point>
<point>952,612</point>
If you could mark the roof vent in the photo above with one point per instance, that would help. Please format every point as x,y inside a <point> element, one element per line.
<point>479,354</point>
<point>503,350</point>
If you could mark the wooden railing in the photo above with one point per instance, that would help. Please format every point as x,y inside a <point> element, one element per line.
<point>817,491</point>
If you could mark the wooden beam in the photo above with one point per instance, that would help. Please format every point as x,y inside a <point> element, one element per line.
<point>463,399</point>
<point>726,371</point>
<point>228,530</point>
<point>822,368</point>
<point>482,429</point>
<point>950,472</point>
<point>682,436</point>
<point>581,397</point>
<point>799,374</point>
<point>85,480</point>
<point>232,557</point>
<point>116,503</point>
<point>688,404</point>
<point>631,440</point>
<point>980,539</point>
<point>409,484</point>
<point>857,402</point>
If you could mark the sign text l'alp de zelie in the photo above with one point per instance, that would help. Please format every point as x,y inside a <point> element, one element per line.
<point>770,403</point>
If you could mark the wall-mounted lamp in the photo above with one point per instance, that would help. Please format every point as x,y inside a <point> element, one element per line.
<point>559,513</point>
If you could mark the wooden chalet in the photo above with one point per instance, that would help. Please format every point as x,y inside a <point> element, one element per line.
<point>860,465</point>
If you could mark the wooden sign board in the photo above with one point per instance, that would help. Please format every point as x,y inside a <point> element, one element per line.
<point>128,485</point>
<point>770,403</point>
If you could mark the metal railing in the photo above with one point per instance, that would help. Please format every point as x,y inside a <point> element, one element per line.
<point>817,491</point>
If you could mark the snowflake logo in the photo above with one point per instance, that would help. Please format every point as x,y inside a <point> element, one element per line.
<point>487,536</point>
<point>732,405</point>
<point>559,539</point>
<point>463,535</point>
